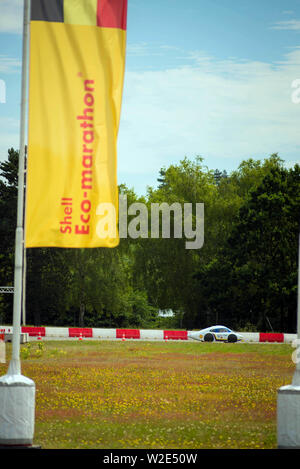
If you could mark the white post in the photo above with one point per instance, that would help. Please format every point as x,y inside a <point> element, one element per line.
<point>19,246</point>
<point>296,377</point>
<point>17,393</point>
<point>288,397</point>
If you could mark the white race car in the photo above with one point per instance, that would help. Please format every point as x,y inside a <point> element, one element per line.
<point>216,333</point>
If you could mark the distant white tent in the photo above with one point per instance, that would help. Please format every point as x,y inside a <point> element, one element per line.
<point>165,313</point>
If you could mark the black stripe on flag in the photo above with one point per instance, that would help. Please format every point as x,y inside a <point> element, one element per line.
<point>47,10</point>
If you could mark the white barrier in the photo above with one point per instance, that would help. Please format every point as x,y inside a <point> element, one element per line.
<point>289,338</point>
<point>148,334</point>
<point>57,332</point>
<point>104,333</point>
<point>250,336</point>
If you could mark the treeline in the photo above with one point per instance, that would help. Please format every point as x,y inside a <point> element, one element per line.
<point>244,276</point>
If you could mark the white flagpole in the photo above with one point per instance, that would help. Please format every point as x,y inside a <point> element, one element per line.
<point>14,367</point>
<point>288,397</point>
<point>17,393</point>
<point>296,377</point>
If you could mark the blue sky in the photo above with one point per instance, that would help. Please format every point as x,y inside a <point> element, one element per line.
<point>203,77</point>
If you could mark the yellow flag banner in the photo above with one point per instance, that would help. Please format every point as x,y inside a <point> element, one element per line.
<point>77,62</point>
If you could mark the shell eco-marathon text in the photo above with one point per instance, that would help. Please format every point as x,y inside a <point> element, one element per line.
<point>151,458</point>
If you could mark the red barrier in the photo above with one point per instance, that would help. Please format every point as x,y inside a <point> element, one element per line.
<point>34,331</point>
<point>84,331</point>
<point>128,334</point>
<point>271,337</point>
<point>175,335</point>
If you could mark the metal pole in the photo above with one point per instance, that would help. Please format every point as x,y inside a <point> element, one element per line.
<point>14,366</point>
<point>296,377</point>
<point>24,289</point>
<point>24,261</point>
<point>288,397</point>
<point>298,304</point>
<point>17,392</point>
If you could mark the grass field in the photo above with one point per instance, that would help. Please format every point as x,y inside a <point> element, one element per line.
<point>101,394</point>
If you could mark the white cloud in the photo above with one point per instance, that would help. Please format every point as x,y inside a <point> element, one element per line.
<point>11,12</point>
<point>9,64</point>
<point>139,49</point>
<point>9,138</point>
<point>225,111</point>
<point>290,25</point>
<point>291,164</point>
<point>144,49</point>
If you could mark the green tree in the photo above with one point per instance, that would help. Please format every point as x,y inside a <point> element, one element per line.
<point>8,218</point>
<point>164,267</point>
<point>263,249</point>
<point>221,291</point>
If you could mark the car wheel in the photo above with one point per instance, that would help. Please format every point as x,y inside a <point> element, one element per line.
<point>208,337</point>
<point>232,338</point>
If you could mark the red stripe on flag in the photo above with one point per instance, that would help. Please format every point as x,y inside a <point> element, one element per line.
<point>112,14</point>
